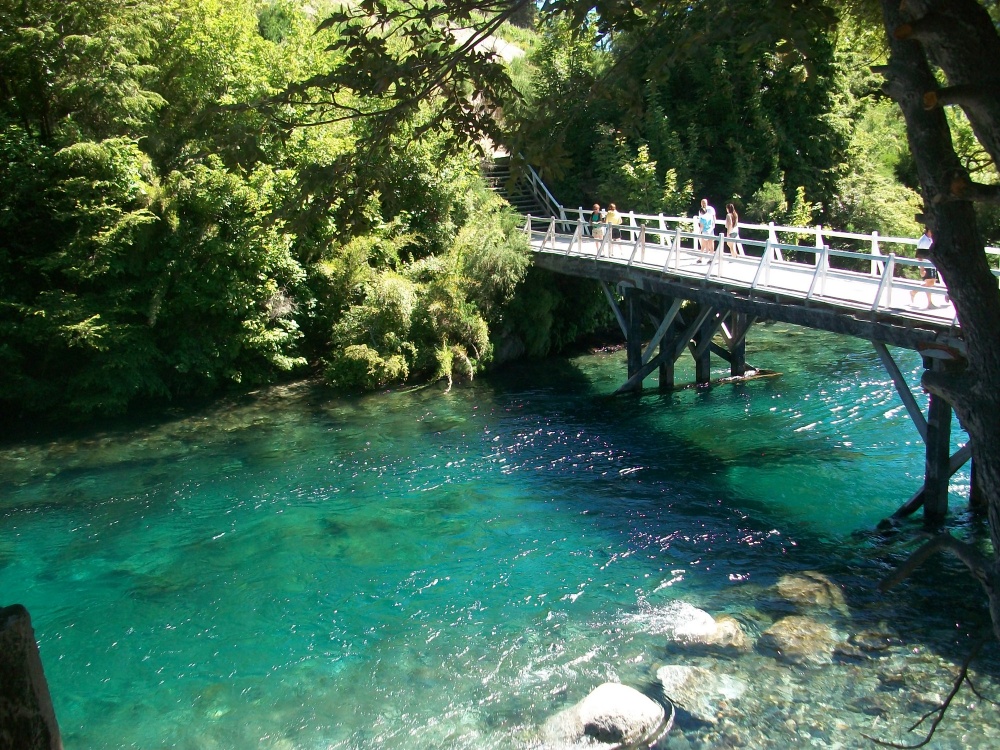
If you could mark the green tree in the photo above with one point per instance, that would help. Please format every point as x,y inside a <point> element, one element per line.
<point>72,69</point>
<point>960,39</point>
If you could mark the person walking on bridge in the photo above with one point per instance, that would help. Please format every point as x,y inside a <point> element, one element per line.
<point>732,228</point>
<point>928,274</point>
<point>613,220</point>
<point>706,225</point>
<point>597,224</point>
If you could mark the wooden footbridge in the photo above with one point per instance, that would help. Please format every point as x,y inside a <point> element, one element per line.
<point>673,290</point>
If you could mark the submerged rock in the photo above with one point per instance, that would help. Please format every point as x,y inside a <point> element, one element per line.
<point>612,713</point>
<point>728,634</point>
<point>811,589</point>
<point>800,640</point>
<point>699,691</point>
<point>875,639</point>
<point>685,624</point>
<point>678,621</point>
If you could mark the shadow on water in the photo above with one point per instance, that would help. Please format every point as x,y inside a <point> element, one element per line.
<point>942,603</point>
<point>469,521</point>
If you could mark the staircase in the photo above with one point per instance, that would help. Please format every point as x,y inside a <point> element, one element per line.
<point>519,191</point>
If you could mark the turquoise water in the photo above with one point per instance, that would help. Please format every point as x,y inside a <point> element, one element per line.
<point>425,569</point>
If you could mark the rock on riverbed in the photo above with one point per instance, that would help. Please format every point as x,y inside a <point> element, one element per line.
<point>612,713</point>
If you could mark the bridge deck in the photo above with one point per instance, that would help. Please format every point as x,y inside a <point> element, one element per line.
<point>760,269</point>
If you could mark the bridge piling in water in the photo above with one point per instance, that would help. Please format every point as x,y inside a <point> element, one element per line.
<point>937,456</point>
<point>676,333</point>
<point>739,325</point>
<point>663,269</point>
<point>666,374</point>
<point>633,339</point>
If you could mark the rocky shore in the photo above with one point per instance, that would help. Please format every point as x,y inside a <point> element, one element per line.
<point>745,680</point>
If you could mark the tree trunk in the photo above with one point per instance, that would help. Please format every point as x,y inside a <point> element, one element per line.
<point>947,33</point>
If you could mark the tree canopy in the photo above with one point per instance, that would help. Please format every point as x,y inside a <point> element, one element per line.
<point>178,217</point>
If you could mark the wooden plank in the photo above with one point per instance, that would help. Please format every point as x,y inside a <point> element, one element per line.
<point>633,342</point>
<point>707,332</point>
<point>912,408</point>
<point>718,351</point>
<point>936,462</point>
<point>958,459</point>
<point>646,369</point>
<point>667,374</point>
<point>664,326</point>
<point>956,462</point>
<point>912,505</point>
<point>738,343</point>
<point>671,353</point>
<point>766,305</point>
<point>614,308</point>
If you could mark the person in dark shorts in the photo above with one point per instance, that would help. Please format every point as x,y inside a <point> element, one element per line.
<point>928,274</point>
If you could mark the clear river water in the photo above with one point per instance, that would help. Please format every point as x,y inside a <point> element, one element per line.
<point>431,569</point>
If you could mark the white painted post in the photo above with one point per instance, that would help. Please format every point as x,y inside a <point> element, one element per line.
<point>877,266</point>
<point>717,257</point>
<point>885,285</point>
<point>577,237</point>
<point>675,248</point>
<point>819,276</point>
<point>775,255</point>
<point>764,266</point>
<point>772,241</point>
<point>820,244</point>
<point>663,228</point>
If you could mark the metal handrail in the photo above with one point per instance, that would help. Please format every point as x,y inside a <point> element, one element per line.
<point>660,225</point>
<point>671,244</point>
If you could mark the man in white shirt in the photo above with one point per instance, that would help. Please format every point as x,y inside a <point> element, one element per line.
<point>929,274</point>
<point>706,226</point>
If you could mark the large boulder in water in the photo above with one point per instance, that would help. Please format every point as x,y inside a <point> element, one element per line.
<point>686,624</point>
<point>700,692</point>
<point>612,713</point>
<point>811,589</point>
<point>799,640</point>
<point>728,634</point>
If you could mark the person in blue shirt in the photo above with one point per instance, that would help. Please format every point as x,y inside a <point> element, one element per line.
<point>706,226</point>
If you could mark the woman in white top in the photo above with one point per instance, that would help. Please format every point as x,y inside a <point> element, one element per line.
<point>732,226</point>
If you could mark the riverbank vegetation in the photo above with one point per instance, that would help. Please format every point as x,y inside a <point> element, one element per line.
<point>169,230</point>
<point>197,195</point>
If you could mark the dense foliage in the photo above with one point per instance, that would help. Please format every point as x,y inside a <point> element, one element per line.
<point>196,194</point>
<point>654,111</point>
<point>174,221</point>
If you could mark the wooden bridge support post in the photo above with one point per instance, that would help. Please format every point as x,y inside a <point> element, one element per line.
<point>633,339</point>
<point>977,499</point>
<point>667,378</point>
<point>703,362</point>
<point>937,457</point>
<point>739,323</point>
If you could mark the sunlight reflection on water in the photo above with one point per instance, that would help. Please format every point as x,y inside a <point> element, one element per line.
<point>419,569</point>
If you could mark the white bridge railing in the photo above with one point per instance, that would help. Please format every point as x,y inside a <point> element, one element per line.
<point>860,278</point>
<point>874,243</point>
